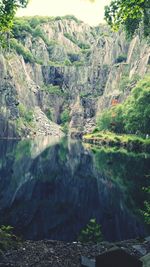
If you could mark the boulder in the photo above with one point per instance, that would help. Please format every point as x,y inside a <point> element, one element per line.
<point>117,258</point>
<point>146,260</point>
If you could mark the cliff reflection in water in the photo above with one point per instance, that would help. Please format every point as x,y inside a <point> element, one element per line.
<point>50,189</point>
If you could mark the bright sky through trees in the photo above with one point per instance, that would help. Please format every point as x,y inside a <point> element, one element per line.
<point>90,12</point>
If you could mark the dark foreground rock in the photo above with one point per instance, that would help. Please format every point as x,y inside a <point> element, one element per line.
<point>60,254</point>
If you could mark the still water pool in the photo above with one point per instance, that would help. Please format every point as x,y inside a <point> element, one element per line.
<point>51,188</point>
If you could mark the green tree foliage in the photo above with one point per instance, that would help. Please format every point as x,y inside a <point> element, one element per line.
<point>112,120</point>
<point>65,116</point>
<point>146,210</point>
<point>7,239</point>
<point>21,50</point>
<point>129,14</point>
<point>137,109</point>
<point>27,115</point>
<point>104,121</point>
<point>20,27</point>
<point>91,233</point>
<point>8,9</point>
<point>133,116</point>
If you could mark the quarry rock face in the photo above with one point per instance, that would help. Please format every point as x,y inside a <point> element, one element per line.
<point>76,68</point>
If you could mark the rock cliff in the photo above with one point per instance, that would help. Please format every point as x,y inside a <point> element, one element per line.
<point>59,66</point>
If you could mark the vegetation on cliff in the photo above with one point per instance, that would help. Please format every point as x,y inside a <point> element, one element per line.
<point>132,116</point>
<point>127,124</point>
<point>8,10</point>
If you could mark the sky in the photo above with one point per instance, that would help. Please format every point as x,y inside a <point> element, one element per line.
<point>91,13</point>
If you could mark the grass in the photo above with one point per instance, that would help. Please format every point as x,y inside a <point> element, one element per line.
<point>130,142</point>
<point>53,90</point>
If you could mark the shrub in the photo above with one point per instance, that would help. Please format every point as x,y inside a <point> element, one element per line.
<point>49,114</point>
<point>73,57</point>
<point>71,17</point>
<point>79,63</point>
<point>21,50</point>
<point>53,89</point>
<point>137,108</point>
<point>104,121</point>
<point>7,239</point>
<point>65,116</point>
<point>71,38</point>
<point>83,45</point>
<point>68,17</point>
<point>77,42</point>
<point>124,83</point>
<point>121,58</point>
<point>91,233</point>
<point>67,62</point>
<point>26,114</point>
<point>86,52</point>
<point>133,116</point>
<point>146,211</point>
<point>96,130</point>
<point>65,127</point>
<point>20,27</point>
<point>38,32</point>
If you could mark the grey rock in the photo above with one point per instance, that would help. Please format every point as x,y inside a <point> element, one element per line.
<point>140,249</point>
<point>96,81</point>
<point>146,260</point>
<point>147,238</point>
<point>117,258</point>
<point>87,262</point>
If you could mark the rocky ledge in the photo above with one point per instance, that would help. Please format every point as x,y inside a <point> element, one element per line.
<point>56,253</point>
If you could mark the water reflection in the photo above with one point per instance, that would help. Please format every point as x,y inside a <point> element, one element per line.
<point>51,188</point>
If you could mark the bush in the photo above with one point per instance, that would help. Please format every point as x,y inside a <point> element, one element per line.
<point>68,17</point>
<point>79,63</point>
<point>133,116</point>
<point>137,108</point>
<point>21,50</point>
<point>67,62</point>
<point>104,121</point>
<point>77,42</point>
<point>65,127</point>
<point>83,45</point>
<point>124,83</point>
<point>73,57</point>
<point>146,211</point>
<point>53,89</point>
<point>65,116</point>
<point>96,130</point>
<point>38,32</point>
<point>71,38</point>
<point>49,114</point>
<point>37,20</point>
<point>20,27</point>
<point>121,58</point>
<point>27,115</point>
<point>91,233</point>
<point>7,239</point>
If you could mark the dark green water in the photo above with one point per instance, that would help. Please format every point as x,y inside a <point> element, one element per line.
<point>50,189</point>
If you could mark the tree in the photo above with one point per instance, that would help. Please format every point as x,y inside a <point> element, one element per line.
<point>129,14</point>
<point>146,211</point>
<point>133,116</point>
<point>137,108</point>
<point>91,233</point>
<point>8,10</point>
